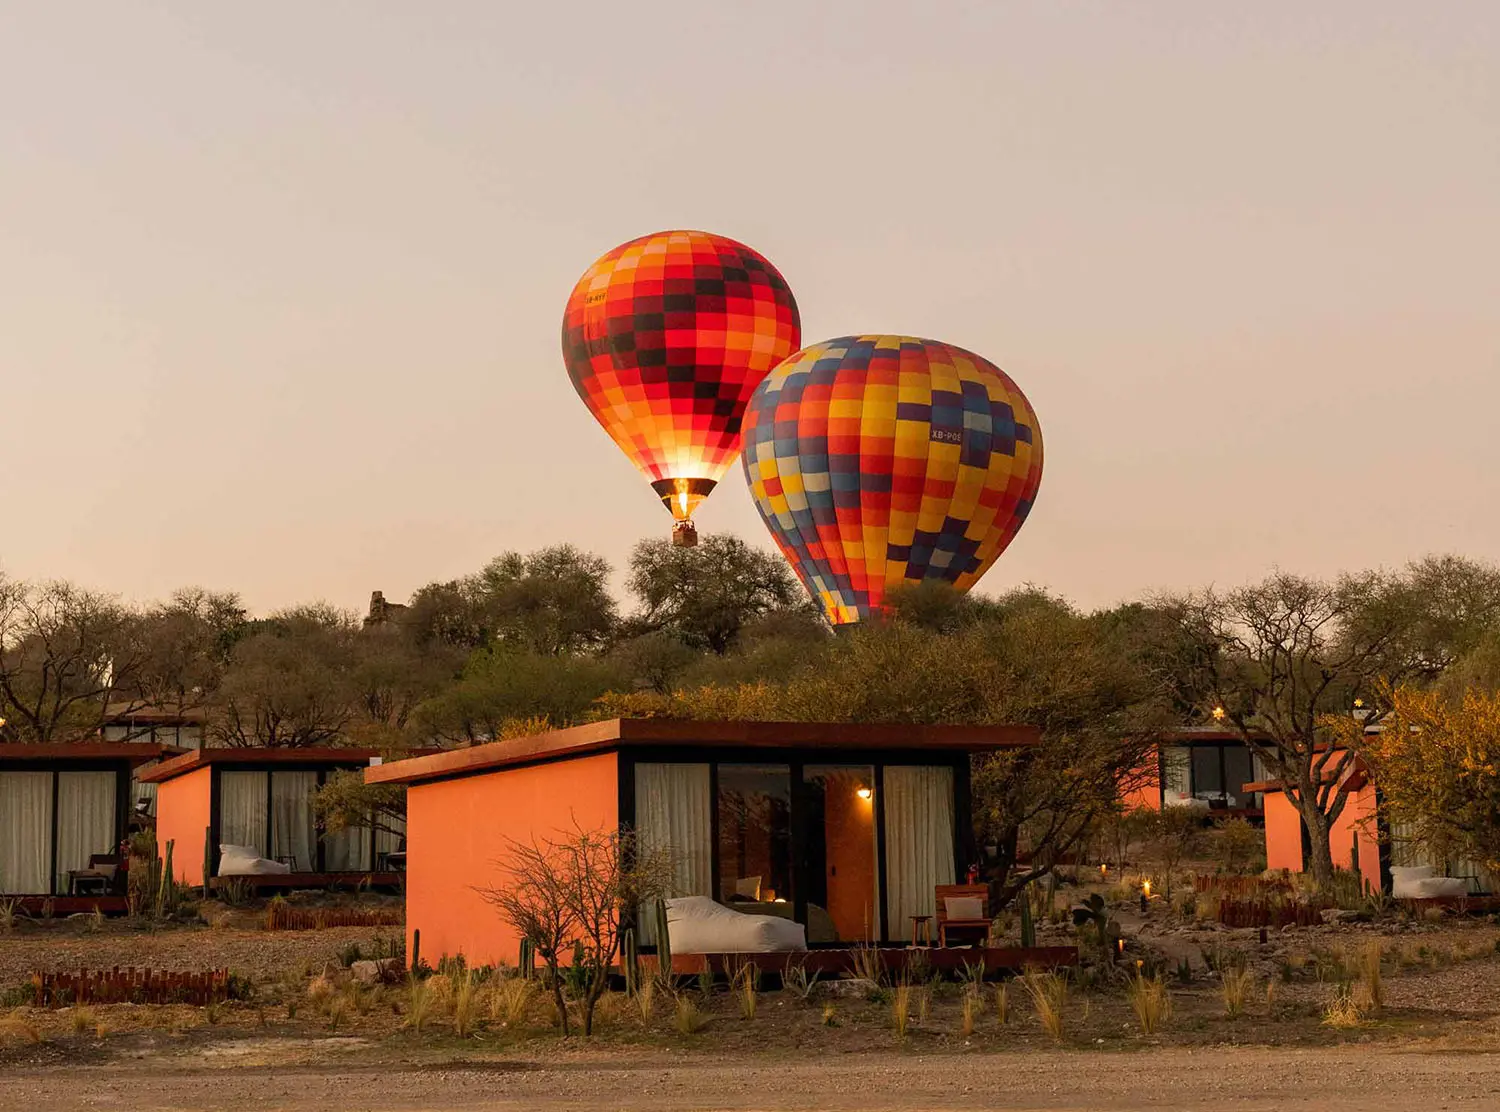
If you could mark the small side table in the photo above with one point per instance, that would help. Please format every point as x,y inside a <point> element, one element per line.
<point>921,930</point>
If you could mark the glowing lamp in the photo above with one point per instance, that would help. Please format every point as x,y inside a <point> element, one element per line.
<point>864,793</point>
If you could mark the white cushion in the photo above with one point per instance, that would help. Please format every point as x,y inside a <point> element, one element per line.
<point>1434,887</point>
<point>1411,872</point>
<point>964,907</point>
<point>247,861</point>
<point>698,925</point>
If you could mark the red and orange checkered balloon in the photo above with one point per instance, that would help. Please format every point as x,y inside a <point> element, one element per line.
<point>665,338</point>
<point>882,460</point>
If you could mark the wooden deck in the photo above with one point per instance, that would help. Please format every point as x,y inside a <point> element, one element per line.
<point>286,882</point>
<point>70,905</point>
<point>894,959</point>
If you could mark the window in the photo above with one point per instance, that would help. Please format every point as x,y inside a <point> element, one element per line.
<point>272,813</point>
<point>755,835</point>
<point>51,823</point>
<point>25,832</point>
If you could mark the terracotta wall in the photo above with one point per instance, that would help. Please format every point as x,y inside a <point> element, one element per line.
<point>182,813</point>
<point>1357,823</point>
<point>457,834</point>
<point>1144,785</point>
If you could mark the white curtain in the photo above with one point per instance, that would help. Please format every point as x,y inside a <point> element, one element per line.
<point>294,834</point>
<point>918,802</point>
<point>672,813</point>
<point>242,810</point>
<point>85,820</point>
<point>348,851</point>
<point>25,833</point>
<point>389,841</point>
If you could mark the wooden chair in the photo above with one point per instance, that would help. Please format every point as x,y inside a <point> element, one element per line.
<point>970,930</point>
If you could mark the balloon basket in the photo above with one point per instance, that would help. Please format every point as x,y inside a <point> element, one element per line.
<point>684,535</point>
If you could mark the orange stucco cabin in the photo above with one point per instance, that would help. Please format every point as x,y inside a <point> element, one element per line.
<point>1207,767</point>
<point>846,829</point>
<point>261,799</point>
<point>1354,840</point>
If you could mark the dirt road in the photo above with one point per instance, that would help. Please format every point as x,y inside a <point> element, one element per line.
<point>1173,1080</point>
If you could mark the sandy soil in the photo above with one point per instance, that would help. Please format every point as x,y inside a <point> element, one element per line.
<point>1336,1080</point>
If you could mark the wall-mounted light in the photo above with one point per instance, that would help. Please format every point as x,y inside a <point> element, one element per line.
<point>864,793</point>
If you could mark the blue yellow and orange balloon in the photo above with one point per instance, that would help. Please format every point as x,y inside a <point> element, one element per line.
<point>877,461</point>
<point>664,338</point>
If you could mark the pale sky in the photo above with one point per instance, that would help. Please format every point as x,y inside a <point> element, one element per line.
<point>281,283</point>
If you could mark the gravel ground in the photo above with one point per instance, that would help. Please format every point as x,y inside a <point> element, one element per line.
<point>1241,1080</point>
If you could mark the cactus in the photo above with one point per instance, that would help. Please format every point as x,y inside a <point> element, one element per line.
<point>208,858</point>
<point>416,950</point>
<point>663,939</point>
<point>162,872</point>
<point>1028,925</point>
<point>527,962</point>
<point>631,962</point>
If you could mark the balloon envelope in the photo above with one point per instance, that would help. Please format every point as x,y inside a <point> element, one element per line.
<point>882,460</point>
<point>665,338</point>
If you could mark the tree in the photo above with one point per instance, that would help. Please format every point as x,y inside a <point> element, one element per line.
<point>188,642</point>
<point>552,601</point>
<point>390,675</point>
<point>705,595</point>
<point>345,801</point>
<point>66,655</point>
<point>500,687</point>
<point>575,892</point>
<point>289,682</point>
<point>1280,661</point>
<point>1437,763</point>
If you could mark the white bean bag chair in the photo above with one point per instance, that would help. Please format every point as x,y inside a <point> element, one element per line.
<point>247,861</point>
<point>1416,882</point>
<point>698,925</point>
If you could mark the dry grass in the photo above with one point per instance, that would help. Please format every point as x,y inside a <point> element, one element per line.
<point>465,1006</point>
<point>1341,1010</point>
<point>1002,1004</point>
<point>970,1008</point>
<point>510,999</point>
<point>901,1009</point>
<point>830,1016</point>
<point>83,1020</point>
<point>690,1019</point>
<point>869,963</point>
<point>9,914</point>
<point>320,992</point>
<point>420,1000</point>
<point>1371,982</point>
<point>1150,1002</point>
<point>924,1004</point>
<point>746,987</point>
<point>1049,998</point>
<point>1234,989</point>
<point>17,1026</point>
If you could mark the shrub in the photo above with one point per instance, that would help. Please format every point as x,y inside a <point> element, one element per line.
<point>1234,987</point>
<point>1002,1004</point>
<point>691,1019</point>
<point>901,1009</point>
<point>1372,985</point>
<point>970,1007</point>
<point>1341,1010</point>
<point>419,1002</point>
<point>464,1006</point>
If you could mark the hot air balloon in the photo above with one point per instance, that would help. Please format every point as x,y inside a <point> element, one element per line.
<point>665,338</point>
<point>882,460</point>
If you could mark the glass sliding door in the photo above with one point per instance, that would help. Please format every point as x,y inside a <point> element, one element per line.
<point>85,821</point>
<point>918,808</point>
<point>294,835</point>
<point>242,810</point>
<point>841,868</point>
<point>755,837</point>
